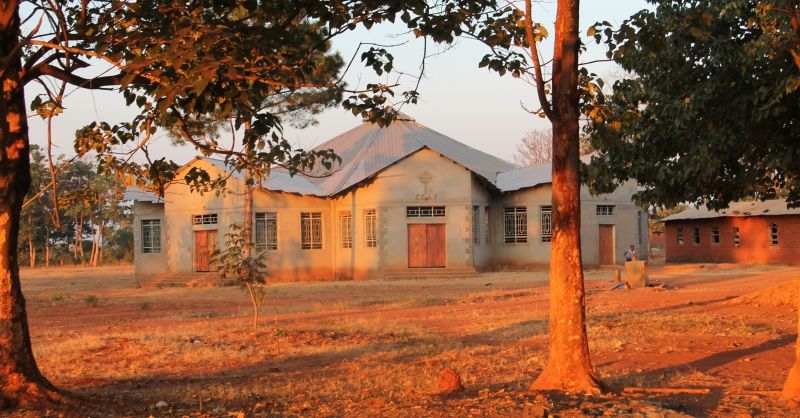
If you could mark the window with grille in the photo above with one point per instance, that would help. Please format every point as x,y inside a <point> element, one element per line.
<point>206,219</point>
<point>715,235</point>
<point>311,230</point>
<point>346,229</point>
<point>605,210</point>
<point>486,223</point>
<point>639,226</point>
<point>266,233</point>
<point>680,236</point>
<point>424,211</point>
<point>546,222</point>
<point>151,236</point>
<point>773,234</point>
<point>696,235</point>
<point>370,228</point>
<point>737,240</point>
<point>516,224</point>
<point>476,226</point>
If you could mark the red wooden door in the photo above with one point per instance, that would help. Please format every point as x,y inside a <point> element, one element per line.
<point>426,245</point>
<point>436,245</point>
<point>203,243</point>
<point>417,250</point>
<point>605,245</point>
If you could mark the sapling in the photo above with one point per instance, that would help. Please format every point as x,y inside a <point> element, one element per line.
<point>237,260</point>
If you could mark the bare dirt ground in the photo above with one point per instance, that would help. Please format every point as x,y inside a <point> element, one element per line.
<point>374,348</point>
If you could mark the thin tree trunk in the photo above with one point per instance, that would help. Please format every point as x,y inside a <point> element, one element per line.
<point>568,365</point>
<point>21,382</point>
<point>100,242</point>
<point>47,247</point>
<point>79,238</point>
<point>31,250</point>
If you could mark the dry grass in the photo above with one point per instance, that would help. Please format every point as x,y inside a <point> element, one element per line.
<point>369,348</point>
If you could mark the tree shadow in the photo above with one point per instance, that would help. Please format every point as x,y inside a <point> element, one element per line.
<point>696,403</point>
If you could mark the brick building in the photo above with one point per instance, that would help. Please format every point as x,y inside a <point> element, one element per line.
<point>746,232</point>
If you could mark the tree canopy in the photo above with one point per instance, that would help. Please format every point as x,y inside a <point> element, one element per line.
<point>710,112</point>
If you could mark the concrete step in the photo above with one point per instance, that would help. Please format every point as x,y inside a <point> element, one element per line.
<point>423,273</point>
<point>204,279</point>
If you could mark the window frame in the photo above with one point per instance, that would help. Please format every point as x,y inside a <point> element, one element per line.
<point>476,227</point>
<point>205,219</point>
<point>345,229</point>
<point>773,235</point>
<point>265,232</point>
<point>426,211</point>
<point>696,236</point>
<point>546,223</point>
<point>515,225</point>
<point>605,210</point>
<point>679,236</point>
<point>370,228</point>
<point>151,241</point>
<point>715,239</point>
<point>311,238</point>
<point>487,225</point>
<point>737,238</point>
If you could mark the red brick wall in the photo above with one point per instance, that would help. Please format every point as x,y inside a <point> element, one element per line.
<point>756,241</point>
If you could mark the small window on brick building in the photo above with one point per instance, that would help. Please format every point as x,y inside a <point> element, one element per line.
<point>737,240</point>
<point>715,235</point>
<point>680,236</point>
<point>773,233</point>
<point>696,235</point>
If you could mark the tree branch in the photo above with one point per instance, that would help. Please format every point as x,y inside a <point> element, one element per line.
<point>537,67</point>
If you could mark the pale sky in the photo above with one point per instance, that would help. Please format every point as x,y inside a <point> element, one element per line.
<point>458,99</point>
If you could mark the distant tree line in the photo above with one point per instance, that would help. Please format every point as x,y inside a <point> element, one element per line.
<point>80,219</point>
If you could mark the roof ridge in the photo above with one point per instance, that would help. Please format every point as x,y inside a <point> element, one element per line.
<point>360,156</point>
<point>463,144</point>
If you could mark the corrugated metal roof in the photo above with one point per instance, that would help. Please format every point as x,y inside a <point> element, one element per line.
<point>279,179</point>
<point>738,209</point>
<point>369,149</point>
<point>139,195</point>
<point>525,177</point>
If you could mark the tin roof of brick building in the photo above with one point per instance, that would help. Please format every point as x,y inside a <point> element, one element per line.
<point>772,207</point>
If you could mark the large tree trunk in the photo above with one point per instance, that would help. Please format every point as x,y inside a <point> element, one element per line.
<point>568,366</point>
<point>21,383</point>
<point>791,388</point>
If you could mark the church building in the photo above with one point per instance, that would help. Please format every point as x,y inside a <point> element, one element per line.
<point>406,201</point>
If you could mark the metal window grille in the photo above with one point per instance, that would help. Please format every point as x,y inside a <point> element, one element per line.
<point>696,235</point>
<point>516,224</point>
<point>737,240</point>
<point>311,230</point>
<point>266,231</point>
<point>206,219</point>
<point>476,227</point>
<point>639,226</point>
<point>680,236</point>
<point>425,211</point>
<point>715,235</point>
<point>370,228</point>
<point>346,229</point>
<point>546,222</point>
<point>605,210</point>
<point>773,233</point>
<point>486,223</point>
<point>151,236</point>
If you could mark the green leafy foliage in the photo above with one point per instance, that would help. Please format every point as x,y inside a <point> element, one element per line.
<point>710,114</point>
<point>239,261</point>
